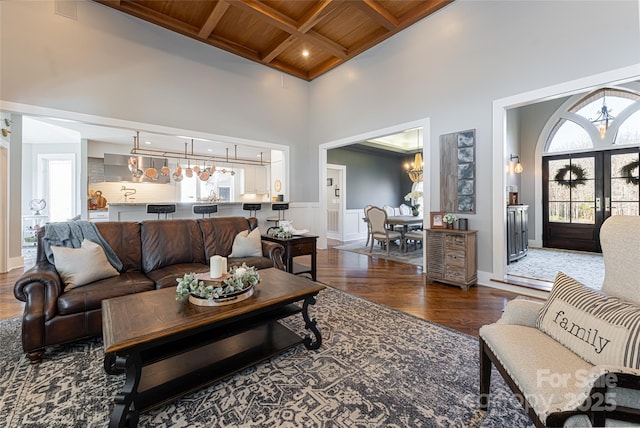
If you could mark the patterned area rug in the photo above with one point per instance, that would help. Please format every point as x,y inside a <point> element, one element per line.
<point>544,264</point>
<point>412,256</point>
<point>376,367</point>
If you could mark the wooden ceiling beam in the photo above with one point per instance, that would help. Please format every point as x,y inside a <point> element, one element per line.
<point>213,19</point>
<point>280,47</point>
<point>154,17</point>
<point>324,67</point>
<point>375,11</point>
<point>317,14</point>
<point>418,13</point>
<point>286,24</point>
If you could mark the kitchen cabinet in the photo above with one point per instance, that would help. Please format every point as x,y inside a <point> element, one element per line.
<point>452,257</point>
<point>255,179</point>
<point>98,216</point>
<point>517,232</point>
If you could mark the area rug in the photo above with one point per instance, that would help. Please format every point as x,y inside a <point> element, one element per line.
<point>376,367</point>
<point>544,264</point>
<point>412,256</point>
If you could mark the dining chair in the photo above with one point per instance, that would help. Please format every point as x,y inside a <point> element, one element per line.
<point>391,211</point>
<point>405,209</point>
<point>415,236</point>
<point>366,220</point>
<point>379,232</point>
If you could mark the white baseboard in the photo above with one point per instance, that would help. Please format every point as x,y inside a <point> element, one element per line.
<point>15,263</point>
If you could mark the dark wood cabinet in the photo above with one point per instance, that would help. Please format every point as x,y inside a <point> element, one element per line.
<point>517,232</point>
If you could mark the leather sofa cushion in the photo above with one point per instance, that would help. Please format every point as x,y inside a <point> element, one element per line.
<point>259,262</point>
<point>170,242</point>
<point>219,233</point>
<point>166,276</point>
<point>124,239</point>
<point>90,296</point>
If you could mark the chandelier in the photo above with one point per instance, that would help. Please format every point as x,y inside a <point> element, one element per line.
<point>415,170</point>
<point>604,116</point>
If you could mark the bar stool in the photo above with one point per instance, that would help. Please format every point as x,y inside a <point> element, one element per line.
<point>252,208</point>
<point>204,209</point>
<point>280,207</point>
<point>165,209</point>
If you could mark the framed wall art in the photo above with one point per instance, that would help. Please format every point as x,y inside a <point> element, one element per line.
<point>458,172</point>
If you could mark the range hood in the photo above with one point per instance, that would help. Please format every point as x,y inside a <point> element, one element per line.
<point>116,168</point>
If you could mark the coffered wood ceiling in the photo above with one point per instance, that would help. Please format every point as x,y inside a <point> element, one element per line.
<point>276,32</point>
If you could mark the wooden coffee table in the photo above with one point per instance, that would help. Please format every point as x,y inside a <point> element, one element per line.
<point>168,348</point>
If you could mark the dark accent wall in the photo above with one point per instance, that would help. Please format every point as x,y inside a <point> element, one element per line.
<point>372,179</point>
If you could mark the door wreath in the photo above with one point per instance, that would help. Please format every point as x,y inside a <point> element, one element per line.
<point>578,173</point>
<point>627,172</point>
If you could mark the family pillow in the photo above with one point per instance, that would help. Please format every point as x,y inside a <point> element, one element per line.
<point>247,244</point>
<point>80,266</point>
<point>599,328</point>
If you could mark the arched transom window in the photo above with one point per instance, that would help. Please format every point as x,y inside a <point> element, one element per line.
<point>604,118</point>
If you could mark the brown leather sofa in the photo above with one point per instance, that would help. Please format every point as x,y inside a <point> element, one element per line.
<point>154,253</point>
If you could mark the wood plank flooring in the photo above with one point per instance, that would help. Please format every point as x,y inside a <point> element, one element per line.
<point>398,285</point>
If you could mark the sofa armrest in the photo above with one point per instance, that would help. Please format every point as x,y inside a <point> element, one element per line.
<point>42,279</point>
<point>275,252</point>
<point>39,288</point>
<point>521,312</point>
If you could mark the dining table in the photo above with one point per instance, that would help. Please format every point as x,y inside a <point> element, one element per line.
<point>405,221</point>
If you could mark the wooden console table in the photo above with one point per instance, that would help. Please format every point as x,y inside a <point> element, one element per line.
<point>168,348</point>
<point>452,257</point>
<point>297,245</point>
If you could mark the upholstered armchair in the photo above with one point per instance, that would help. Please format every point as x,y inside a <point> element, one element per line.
<point>574,360</point>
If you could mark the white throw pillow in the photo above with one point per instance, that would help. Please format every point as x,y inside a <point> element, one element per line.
<point>599,328</point>
<point>247,244</point>
<point>80,266</point>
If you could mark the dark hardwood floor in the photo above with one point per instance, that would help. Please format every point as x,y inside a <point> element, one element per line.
<point>398,285</point>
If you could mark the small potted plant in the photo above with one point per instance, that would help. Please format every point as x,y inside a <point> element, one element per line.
<point>449,219</point>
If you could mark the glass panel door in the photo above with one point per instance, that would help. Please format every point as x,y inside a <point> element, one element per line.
<point>572,193</point>
<point>623,197</point>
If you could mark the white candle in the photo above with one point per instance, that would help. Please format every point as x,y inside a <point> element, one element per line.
<point>224,265</point>
<point>215,267</point>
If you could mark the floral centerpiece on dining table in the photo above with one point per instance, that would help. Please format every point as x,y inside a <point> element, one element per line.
<point>204,291</point>
<point>414,198</point>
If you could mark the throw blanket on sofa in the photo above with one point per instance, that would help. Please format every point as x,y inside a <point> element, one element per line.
<point>71,234</point>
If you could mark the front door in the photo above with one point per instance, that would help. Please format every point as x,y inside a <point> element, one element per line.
<point>580,191</point>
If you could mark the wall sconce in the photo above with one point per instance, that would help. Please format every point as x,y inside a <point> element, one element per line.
<point>518,168</point>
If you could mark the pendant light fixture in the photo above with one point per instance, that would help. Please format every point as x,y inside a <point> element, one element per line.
<point>415,172</point>
<point>603,118</point>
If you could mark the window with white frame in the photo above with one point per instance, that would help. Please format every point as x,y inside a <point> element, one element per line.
<point>603,118</point>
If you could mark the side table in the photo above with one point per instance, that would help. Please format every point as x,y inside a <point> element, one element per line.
<point>297,245</point>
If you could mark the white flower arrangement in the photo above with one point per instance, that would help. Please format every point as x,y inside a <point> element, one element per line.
<point>414,195</point>
<point>449,218</point>
<point>241,278</point>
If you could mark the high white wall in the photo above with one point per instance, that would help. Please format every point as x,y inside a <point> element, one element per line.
<point>451,66</point>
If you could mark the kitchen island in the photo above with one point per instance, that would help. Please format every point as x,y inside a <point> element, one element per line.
<point>137,211</point>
